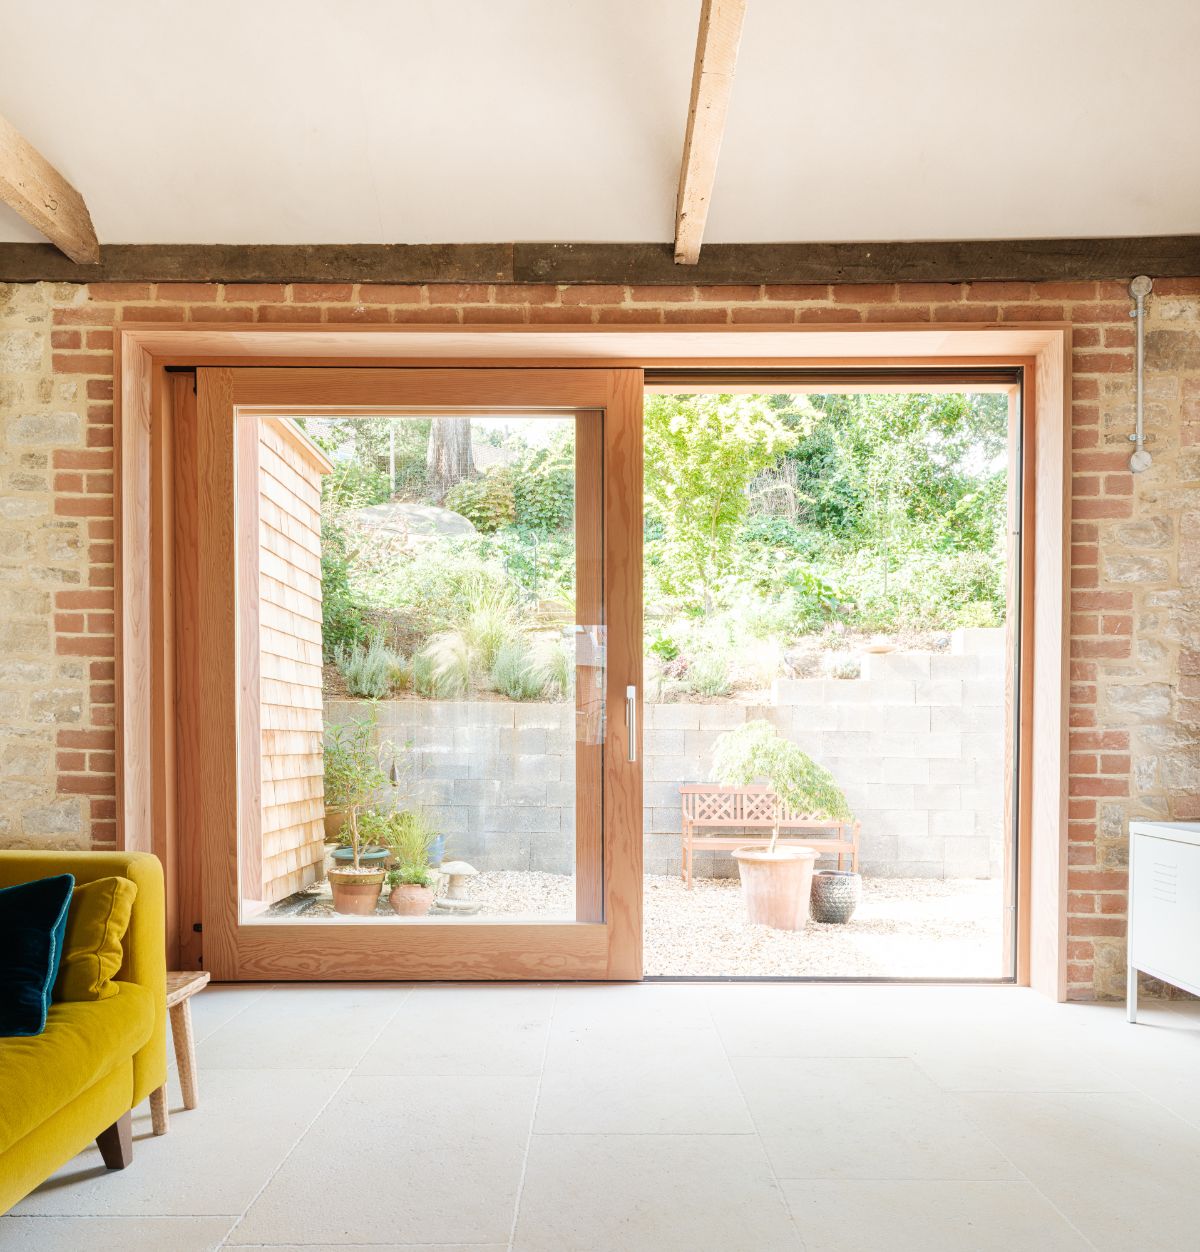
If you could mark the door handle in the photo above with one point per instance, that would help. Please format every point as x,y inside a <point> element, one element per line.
<point>631,723</point>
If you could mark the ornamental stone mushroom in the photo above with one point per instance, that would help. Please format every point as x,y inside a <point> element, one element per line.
<point>457,873</point>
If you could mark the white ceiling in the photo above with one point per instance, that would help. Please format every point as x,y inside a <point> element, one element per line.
<point>417,121</point>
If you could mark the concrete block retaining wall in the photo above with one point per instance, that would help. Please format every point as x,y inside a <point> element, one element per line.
<point>916,742</point>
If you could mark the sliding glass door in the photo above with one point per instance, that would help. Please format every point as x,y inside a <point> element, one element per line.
<point>419,658</point>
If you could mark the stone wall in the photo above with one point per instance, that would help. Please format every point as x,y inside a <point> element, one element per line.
<point>917,743</point>
<point>1135,626</point>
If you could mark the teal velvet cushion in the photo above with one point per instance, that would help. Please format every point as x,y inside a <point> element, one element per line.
<point>33,923</point>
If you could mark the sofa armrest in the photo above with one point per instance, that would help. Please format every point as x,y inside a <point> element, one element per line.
<point>145,960</point>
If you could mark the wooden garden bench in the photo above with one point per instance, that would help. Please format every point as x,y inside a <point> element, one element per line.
<point>709,806</point>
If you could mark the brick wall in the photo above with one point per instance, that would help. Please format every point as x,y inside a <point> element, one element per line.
<point>1135,708</point>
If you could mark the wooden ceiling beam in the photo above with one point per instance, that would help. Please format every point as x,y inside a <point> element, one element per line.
<point>712,83</point>
<point>948,261</point>
<point>37,192</point>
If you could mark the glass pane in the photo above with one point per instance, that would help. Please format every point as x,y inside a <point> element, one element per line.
<point>430,668</point>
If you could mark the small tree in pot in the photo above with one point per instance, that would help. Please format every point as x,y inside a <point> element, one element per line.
<point>776,881</point>
<point>353,778</point>
<point>410,837</point>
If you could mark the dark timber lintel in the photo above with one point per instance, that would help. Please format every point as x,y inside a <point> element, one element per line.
<point>1029,260</point>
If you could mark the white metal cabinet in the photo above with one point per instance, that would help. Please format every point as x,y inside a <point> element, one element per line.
<point>1164,905</point>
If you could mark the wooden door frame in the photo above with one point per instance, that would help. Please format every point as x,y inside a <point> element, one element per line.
<point>145,352</point>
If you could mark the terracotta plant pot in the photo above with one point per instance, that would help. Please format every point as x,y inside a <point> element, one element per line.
<point>356,894</point>
<point>335,819</point>
<point>835,895</point>
<point>776,885</point>
<point>410,900</point>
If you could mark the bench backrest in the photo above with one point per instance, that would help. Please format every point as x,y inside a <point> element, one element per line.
<point>710,804</point>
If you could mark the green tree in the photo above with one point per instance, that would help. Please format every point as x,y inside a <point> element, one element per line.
<point>702,452</point>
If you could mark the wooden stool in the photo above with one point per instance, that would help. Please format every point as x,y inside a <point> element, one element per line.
<point>181,986</point>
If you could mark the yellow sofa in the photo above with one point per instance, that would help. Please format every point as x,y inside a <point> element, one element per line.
<point>79,1079</point>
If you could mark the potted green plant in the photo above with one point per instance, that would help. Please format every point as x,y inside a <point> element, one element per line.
<point>777,882</point>
<point>353,778</point>
<point>411,892</point>
<point>410,836</point>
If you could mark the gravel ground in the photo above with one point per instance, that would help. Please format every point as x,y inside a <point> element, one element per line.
<point>905,927</point>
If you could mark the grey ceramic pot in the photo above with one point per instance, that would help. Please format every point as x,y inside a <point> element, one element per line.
<point>835,895</point>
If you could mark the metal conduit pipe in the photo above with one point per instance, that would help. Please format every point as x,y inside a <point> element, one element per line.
<point>1139,289</point>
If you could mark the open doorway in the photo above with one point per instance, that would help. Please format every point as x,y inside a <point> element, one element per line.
<point>831,587</point>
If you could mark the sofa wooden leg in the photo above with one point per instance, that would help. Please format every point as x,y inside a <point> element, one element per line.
<point>116,1143</point>
<point>158,1110</point>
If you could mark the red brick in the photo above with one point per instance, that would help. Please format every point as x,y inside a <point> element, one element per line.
<point>525,293</point>
<point>1032,313</point>
<point>83,506</point>
<point>102,739</point>
<point>1114,763</point>
<point>1103,508</point>
<point>252,293</point>
<point>1115,649</point>
<point>391,293</point>
<point>1110,926</point>
<point>69,483</point>
<point>552,314</point>
<point>69,623</point>
<point>668,293</point>
<point>81,363</point>
<point>464,293</point>
<point>446,315</point>
<point>711,314</point>
<point>187,293</point>
<point>81,600</point>
<point>219,313</point>
<point>1118,624</point>
<point>66,339</point>
<point>100,389</point>
<point>966,313</point>
<point>1084,600</point>
<point>1177,286</point>
<point>1082,763</point>
<point>1064,291</point>
<point>153,313</point>
<point>119,292</point>
<point>102,339</point>
<point>1101,362</point>
<point>70,762</point>
<point>643,315</point>
<point>1085,337</point>
<point>593,293</point>
<point>88,316</point>
<point>911,293</point>
<point>828,316</point>
<point>284,313</point>
<point>100,670</point>
<point>83,645</point>
<point>898,313</point>
<point>494,313</point>
<point>87,784</point>
<point>729,292</point>
<point>356,313</point>
<point>1085,554</point>
<point>322,293</point>
<point>864,293</point>
<point>768,316</point>
<point>1097,880</point>
<point>1099,740</point>
<point>795,292</point>
<point>1098,787</point>
<point>999,291</point>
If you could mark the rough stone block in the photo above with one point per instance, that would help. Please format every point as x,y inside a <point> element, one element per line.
<point>665,742</point>
<point>884,665</point>
<point>946,668</point>
<point>948,770</point>
<point>887,719</point>
<point>938,796</point>
<point>940,692</point>
<point>899,822</point>
<point>888,796</point>
<point>878,691</point>
<point>948,824</point>
<point>798,691</point>
<point>672,716</point>
<point>927,848</point>
<point>556,717</point>
<point>857,770</point>
<point>903,769</point>
<point>719,717</point>
<point>982,692</point>
<point>977,640</point>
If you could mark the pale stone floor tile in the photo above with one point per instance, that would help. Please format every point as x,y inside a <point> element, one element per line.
<point>439,1031</point>
<point>217,1004</point>
<point>320,1027</point>
<point>651,1193</point>
<point>1119,1166</point>
<point>873,1118</point>
<point>433,1158</point>
<point>928,1217</point>
<point>213,1160</point>
<point>113,1234</point>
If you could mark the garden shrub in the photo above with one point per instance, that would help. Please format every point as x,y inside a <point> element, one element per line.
<point>710,674</point>
<point>487,502</point>
<point>373,672</point>
<point>343,624</point>
<point>450,658</point>
<point>516,674</point>
<point>543,482</point>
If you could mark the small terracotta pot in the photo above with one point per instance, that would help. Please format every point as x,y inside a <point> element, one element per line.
<point>410,900</point>
<point>776,885</point>
<point>355,894</point>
